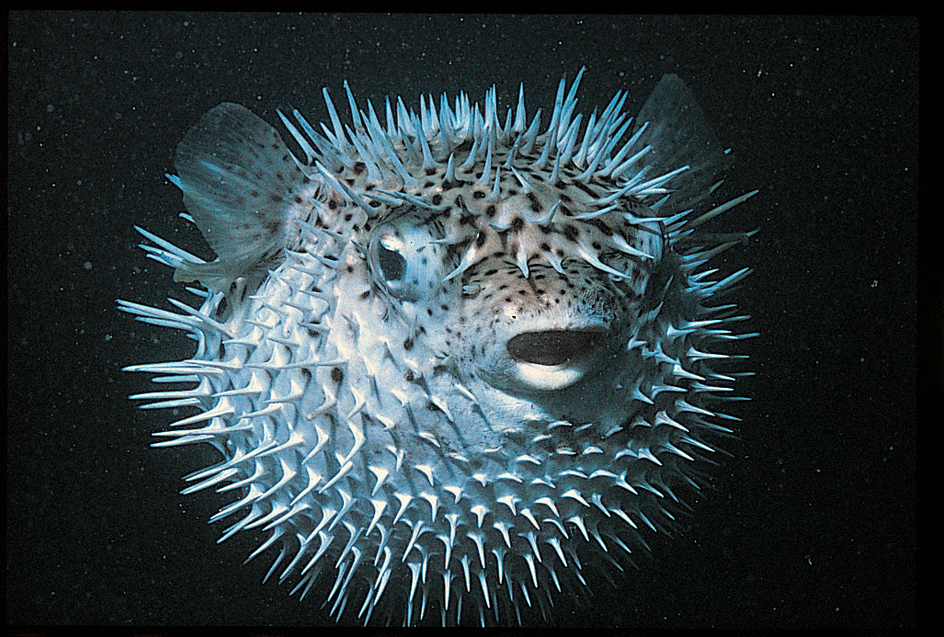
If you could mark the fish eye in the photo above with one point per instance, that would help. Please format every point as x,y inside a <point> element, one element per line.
<point>404,261</point>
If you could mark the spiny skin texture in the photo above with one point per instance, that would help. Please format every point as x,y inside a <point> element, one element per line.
<point>454,366</point>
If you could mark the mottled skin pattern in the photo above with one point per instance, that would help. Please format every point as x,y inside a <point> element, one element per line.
<point>454,403</point>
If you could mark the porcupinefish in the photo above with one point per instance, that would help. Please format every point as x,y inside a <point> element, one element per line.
<point>454,366</point>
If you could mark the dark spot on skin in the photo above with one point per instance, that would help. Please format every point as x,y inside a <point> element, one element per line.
<point>478,194</point>
<point>337,375</point>
<point>600,225</point>
<point>408,344</point>
<point>437,199</point>
<point>490,211</point>
<point>587,189</point>
<point>571,233</point>
<point>534,203</point>
<point>333,205</point>
<point>365,294</point>
<point>517,224</point>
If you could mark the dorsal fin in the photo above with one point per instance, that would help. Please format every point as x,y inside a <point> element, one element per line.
<point>237,177</point>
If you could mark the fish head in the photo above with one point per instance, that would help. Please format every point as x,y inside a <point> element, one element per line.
<point>502,314</point>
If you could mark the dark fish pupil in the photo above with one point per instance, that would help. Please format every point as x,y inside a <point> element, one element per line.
<point>392,264</point>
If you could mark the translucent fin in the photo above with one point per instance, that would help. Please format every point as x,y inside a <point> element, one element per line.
<point>680,135</point>
<point>237,177</point>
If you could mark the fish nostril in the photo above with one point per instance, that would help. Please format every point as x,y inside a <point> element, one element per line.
<point>552,347</point>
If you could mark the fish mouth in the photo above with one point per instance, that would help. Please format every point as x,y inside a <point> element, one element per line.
<point>550,360</point>
<point>553,347</point>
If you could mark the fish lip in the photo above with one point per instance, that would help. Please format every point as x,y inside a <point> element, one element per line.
<point>547,378</point>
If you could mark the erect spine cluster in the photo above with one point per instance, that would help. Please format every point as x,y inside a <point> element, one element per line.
<point>433,137</point>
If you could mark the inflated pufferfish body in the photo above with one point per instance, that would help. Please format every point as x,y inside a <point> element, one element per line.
<point>454,365</point>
